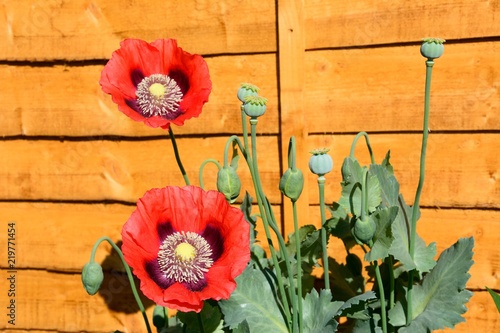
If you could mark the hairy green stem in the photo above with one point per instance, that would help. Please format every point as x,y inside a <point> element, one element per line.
<point>324,239</point>
<point>416,202</point>
<point>355,141</point>
<point>299,264</point>
<point>129,275</point>
<point>177,156</point>
<point>380,283</point>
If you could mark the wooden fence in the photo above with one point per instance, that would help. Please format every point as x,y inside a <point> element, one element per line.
<point>72,166</point>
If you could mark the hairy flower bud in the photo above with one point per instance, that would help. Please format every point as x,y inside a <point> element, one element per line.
<point>432,48</point>
<point>92,277</point>
<point>247,89</point>
<point>292,183</point>
<point>364,229</point>
<point>228,183</point>
<point>320,162</point>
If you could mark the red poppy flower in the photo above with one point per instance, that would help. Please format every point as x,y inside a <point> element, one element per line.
<point>186,245</point>
<point>156,83</point>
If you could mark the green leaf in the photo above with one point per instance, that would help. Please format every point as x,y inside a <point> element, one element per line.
<point>254,301</point>
<point>339,225</point>
<point>383,238</point>
<point>345,283</point>
<point>496,298</point>
<point>424,255</point>
<point>352,175</point>
<point>318,311</point>
<point>440,300</point>
<point>356,307</point>
<point>211,319</point>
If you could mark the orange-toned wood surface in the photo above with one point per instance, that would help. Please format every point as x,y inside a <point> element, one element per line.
<point>72,166</point>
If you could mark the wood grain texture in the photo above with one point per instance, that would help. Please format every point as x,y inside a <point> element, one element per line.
<point>68,101</point>
<point>462,170</point>
<point>38,301</point>
<point>371,22</point>
<point>382,89</point>
<point>45,30</point>
<point>121,170</point>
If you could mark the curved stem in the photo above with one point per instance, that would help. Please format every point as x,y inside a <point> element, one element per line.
<point>127,270</point>
<point>202,166</point>
<point>177,156</point>
<point>355,141</point>
<point>324,240</point>
<point>416,202</point>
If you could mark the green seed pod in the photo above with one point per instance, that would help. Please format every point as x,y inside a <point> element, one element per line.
<point>228,183</point>
<point>292,183</point>
<point>432,48</point>
<point>320,162</point>
<point>92,277</point>
<point>247,89</point>
<point>255,106</point>
<point>364,229</point>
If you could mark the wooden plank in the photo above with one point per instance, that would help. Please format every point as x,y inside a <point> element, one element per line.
<point>293,119</point>
<point>382,89</point>
<point>46,234</point>
<point>79,30</point>
<point>68,101</point>
<point>118,170</point>
<point>49,301</point>
<point>372,22</point>
<point>462,170</point>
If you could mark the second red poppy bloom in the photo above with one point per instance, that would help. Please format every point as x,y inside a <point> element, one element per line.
<point>157,83</point>
<point>186,245</point>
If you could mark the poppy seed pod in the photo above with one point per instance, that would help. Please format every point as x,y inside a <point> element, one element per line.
<point>320,162</point>
<point>432,48</point>
<point>228,183</point>
<point>247,89</point>
<point>364,229</point>
<point>292,183</point>
<point>255,106</point>
<point>92,277</point>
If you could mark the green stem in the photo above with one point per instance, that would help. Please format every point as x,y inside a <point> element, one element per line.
<point>416,202</point>
<point>355,141</point>
<point>177,157</point>
<point>380,284</point>
<point>390,263</point>
<point>200,323</point>
<point>324,240</point>
<point>269,222</point>
<point>129,275</point>
<point>299,264</point>
<point>205,162</point>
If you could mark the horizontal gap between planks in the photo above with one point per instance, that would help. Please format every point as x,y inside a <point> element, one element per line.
<point>102,62</point>
<point>410,43</point>
<point>217,135</point>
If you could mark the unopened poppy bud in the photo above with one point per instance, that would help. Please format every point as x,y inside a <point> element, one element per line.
<point>432,48</point>
<point>255,106</point>
<point>92,277</point>
<point>247,89</point>
<point>320,162</point>
<point>292,183</point>
<point>228,183</point>
<point>364,229</point>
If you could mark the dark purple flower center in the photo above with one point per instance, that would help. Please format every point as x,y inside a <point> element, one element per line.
<point>185,257</point>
